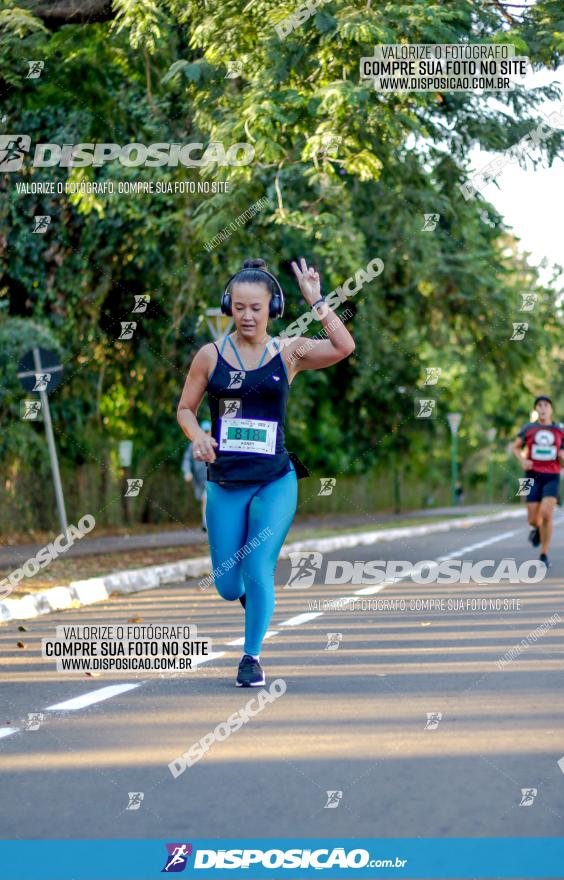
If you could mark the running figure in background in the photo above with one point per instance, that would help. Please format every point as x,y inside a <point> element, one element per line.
<point>252,479</point>
<point>539,450</point>
<point>196,472</point>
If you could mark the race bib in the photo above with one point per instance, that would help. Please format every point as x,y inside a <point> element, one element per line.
<point>248,435</point>
<point>543,453</point>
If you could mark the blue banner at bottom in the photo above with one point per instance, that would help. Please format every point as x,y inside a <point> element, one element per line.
<point>261,858</point>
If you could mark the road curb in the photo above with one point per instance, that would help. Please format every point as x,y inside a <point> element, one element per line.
<point>98,589</point>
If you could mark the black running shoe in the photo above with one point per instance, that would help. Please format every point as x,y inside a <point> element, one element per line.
<point>250,672</point>
<point>544,558</point>
<point>534,536</point>
<point>243,600</point>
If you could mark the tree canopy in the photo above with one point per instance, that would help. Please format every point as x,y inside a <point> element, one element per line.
<point>349,175</point>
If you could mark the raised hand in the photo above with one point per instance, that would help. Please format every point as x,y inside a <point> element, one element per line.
<point>308,280</point>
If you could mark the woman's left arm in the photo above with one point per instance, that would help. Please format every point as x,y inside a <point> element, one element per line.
<point>314,354</point>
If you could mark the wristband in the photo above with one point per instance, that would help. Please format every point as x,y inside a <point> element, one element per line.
<point>315,304</point>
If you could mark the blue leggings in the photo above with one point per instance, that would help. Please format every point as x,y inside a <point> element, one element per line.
<point>246,530</point>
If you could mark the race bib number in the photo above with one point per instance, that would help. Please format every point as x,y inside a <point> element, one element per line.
<point>248,435</point>
<point>543,453</point>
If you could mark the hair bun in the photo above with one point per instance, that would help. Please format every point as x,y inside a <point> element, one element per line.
<point>254,264</point>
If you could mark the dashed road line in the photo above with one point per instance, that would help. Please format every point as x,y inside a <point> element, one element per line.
<point>7,731</point>
<point>92,697</point>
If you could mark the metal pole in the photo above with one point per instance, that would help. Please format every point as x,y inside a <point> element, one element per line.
<point>453,423</point>
<point>491,434</point>
<point>397,485</point>
<point>490,478</point>
<point>454,465</point>
<point>52,448</point>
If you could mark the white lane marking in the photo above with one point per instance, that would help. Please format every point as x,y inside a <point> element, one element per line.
<point>7,731</point>
<point>479,545</point>
<point>368,591</point>
<point>93,697</point>
<point>241,641</point>
<point>107,693</point>
<point>301,618</point>
<point>197,661</point>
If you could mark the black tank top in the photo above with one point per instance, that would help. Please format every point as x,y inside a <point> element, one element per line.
<point>248,409</point>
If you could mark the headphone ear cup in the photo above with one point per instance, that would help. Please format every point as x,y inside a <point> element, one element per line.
<point>276,306</point>
<point>277,302</point>
<point>225,304</point>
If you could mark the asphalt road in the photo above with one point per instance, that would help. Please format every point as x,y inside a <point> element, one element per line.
<point>352,720</point>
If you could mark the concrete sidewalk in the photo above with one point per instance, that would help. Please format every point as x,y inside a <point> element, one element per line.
<point>16,554</point>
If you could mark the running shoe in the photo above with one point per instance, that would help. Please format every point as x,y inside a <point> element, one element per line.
<point>243,600</point>
<point>534,536</point>
<point>544,558</point>
<point>250,672</point>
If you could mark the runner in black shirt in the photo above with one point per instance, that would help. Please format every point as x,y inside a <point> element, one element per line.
<point>252,479</point>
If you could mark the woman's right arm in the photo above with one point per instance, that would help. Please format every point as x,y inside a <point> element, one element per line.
<point>190,400</point>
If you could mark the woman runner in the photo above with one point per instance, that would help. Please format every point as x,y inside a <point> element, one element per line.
<point>252,481</point>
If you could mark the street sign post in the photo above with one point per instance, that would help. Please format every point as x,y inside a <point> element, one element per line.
<point>125,453</point>
<point>39,370</point>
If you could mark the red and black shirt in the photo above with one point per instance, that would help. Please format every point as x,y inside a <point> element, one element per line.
<point>544,443</point>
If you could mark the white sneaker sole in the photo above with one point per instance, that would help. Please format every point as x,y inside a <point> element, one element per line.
<point>252,684</point>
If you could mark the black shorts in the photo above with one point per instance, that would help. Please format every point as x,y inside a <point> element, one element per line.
<point>544,486</point>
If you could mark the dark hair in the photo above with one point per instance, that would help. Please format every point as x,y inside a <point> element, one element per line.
<point>253,272</point>
<point>543,397</point>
